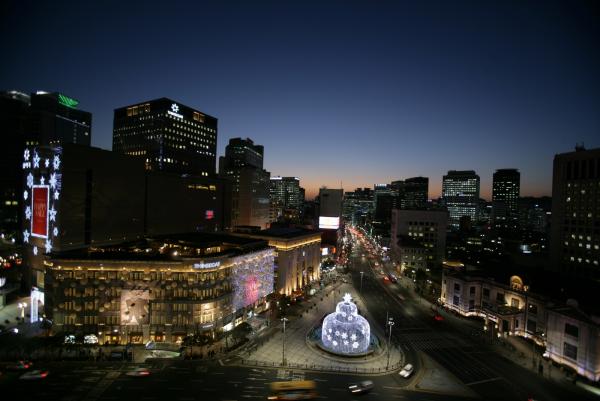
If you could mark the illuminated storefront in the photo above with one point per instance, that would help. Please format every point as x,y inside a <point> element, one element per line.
<point>160,289</point>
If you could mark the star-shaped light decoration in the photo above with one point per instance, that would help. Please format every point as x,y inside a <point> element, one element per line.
<point>52,214</point>
<point>52,181</point>
<point>48,246</point>
<point>35,251</point>
<point>349,318</point>
<point>56,195</point>
<point>25,195</point>
<point>42,180</point>
<point>344,335</point>
<point>28,212</point>
<point>335,343</point>
<point>47,163</point>
<point>29,180</point>
<point>36,160</point>
<point>355,344</point>
<point>345,342</point>
<point>353,337</point>
<point>26,155</point>
<point>347,297</point>
<point>56,162</point>
<point>25,236</point>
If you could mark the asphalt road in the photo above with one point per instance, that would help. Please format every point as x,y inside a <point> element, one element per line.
<point>178,380</point>
<point>450,342</point>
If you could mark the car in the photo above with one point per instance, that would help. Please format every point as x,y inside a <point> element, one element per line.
<point>34,375</point>
<point>138,372</point>
<point>438,318</point>
<point>20,365</point>
<point>393,278</point>
<point>361,387</point>
<point>406,371</point>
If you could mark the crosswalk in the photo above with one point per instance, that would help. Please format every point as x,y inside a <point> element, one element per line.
<point>294,375</point>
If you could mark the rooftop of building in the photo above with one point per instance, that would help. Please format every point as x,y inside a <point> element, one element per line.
<point>277,232</point>
<point>169,248</point>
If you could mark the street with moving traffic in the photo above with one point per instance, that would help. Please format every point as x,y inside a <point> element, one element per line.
<point>450,342</point>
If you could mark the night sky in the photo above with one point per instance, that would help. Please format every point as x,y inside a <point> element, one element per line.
<point>357,92</point>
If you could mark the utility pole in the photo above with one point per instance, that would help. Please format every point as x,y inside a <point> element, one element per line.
<point>390,323</point>
<point>361,278</point>
<point>283,350</point>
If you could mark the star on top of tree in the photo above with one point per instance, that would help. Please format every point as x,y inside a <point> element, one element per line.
<point>347,297</point>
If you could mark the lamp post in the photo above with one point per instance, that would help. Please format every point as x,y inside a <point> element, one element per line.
<point>390,323</point>
<point>283,349</point>
<point>361,278</point>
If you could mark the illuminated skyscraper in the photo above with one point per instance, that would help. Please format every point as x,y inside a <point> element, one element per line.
<point>285,197</point>
<point>460,191</point>
<point>168,136</point>
<point>505,198</point>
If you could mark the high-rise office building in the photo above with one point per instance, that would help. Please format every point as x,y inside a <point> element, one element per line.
<point>285,197</point>
<point>384,201</point>
<point>575,229</point>
<point>242,165</point>
<point>358,205</point>
<point>460,191</point>
<point>416,192</point>
<point>56,120</point>
<point>330,205</point>
<point>41,118</point>
<point>505,199</point>
<point>168,136</point>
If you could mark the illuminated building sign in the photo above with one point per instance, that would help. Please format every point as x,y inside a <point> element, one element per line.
<point>67,101</point>
<point>331,223</point>
<point>39,207</point>
<point>207,265</point>
<point>209,214</point>
<point>174,111</point>
<point>41,197</point>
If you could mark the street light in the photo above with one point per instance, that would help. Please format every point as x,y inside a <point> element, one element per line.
<point>361,277</point>
<point>283,349</point>
<point>390,323</point>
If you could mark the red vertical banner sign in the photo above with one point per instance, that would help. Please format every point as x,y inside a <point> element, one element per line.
<point>39,220</point>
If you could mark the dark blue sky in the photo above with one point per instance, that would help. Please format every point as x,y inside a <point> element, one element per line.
<point>359,92</point>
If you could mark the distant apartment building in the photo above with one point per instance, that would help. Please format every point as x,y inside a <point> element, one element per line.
<point>506,189</point>
<point>575,235</point>
<point>168,136</point>
<point>242,166</point>
<point>460,193</point>
<point>418,237</point>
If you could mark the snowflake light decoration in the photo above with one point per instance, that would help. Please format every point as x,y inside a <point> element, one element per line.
<point>26,155</point>
<point>56,162</point>
<point>346,323</point>
<point>29,180</point>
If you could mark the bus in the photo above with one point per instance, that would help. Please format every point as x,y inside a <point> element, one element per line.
<point>293,390</point>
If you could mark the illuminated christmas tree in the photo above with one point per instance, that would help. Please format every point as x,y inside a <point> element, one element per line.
<point>345,331</point>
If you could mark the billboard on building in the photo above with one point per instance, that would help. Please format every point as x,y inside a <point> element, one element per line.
<point>329,223</point>
<point>135,308</point>
<point>39,207</point>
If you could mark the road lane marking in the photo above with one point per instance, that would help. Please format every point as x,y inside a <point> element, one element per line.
<point>483,381</point>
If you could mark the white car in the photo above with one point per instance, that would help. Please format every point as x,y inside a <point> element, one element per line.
<point>361,387</point>
<point>406,371</point>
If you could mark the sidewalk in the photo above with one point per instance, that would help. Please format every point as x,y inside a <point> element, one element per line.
<point>299,354</point>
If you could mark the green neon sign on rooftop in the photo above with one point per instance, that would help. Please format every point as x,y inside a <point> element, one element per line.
<point>67,101</point>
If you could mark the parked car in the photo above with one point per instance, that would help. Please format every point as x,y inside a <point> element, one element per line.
<point>361,387</point>
<point>406,371</point>
<point>20,365</point>
<point>34,375</point>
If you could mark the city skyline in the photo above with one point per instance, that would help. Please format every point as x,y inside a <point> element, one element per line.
<point>358,95</point>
